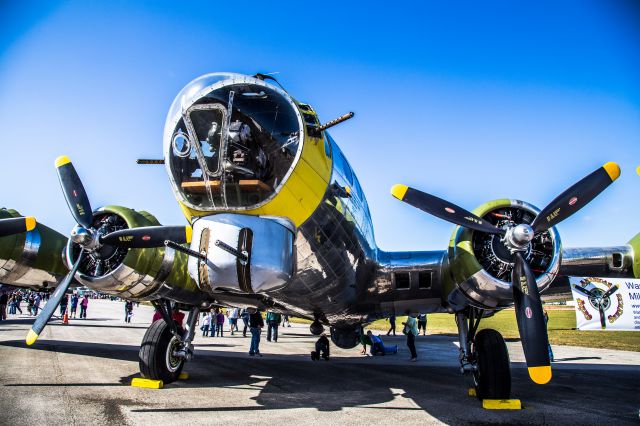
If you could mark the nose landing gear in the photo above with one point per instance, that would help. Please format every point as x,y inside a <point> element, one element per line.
<point>484,355</point>
<point>166,346</point>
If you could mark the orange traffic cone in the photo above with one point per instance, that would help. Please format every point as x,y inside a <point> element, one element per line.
<point>65,318</point>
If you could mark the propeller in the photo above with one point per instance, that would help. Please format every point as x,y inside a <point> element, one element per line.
<point>47,312</point>
<point>530,319</point>
<point>443,209</point>
<point>598,299</point>
<point>86,235</point>
<point>16,225</point>
<point>90,240</point>
<point>526,297</point>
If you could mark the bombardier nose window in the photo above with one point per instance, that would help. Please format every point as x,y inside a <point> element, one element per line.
<point>234,146</point>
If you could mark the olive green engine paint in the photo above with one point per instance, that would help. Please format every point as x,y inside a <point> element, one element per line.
<point>175,284</point>
<point>461,263</point>
<point>45,259</point>
<point>635,245</point>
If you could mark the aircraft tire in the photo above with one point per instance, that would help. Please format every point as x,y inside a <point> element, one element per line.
<point>155,359</point>
<point>493,376</point>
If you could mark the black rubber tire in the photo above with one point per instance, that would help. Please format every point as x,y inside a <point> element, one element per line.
<point>153,359</point>
<point>493,376</point>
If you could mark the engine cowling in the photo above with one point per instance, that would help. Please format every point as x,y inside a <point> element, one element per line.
<point>481,265</point>
<point>135,274</point>
<point>31,259</point>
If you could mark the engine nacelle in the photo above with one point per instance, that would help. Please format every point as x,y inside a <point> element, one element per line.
<point>31,259</point>
<point>481,265</point>
<point>136,274</point>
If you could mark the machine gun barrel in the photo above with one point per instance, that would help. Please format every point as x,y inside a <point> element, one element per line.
<point>336,121</point>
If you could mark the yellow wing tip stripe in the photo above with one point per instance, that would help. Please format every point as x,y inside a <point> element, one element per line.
<point>31,337</point>
<point>30,222</point>
<point>62,160</point>
<point>188,232</point>
<point>613,170</point>
<point>540,375</point>
<point>399,191</point>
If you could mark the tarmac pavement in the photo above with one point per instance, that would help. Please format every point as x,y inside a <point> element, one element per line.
<point>80,373</point>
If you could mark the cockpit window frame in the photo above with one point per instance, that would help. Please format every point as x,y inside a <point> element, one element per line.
<point>193,135</point>
<point>187,98</point>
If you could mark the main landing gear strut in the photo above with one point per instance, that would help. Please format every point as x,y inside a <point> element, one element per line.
<point>484,355</point>
<point>166,346</point>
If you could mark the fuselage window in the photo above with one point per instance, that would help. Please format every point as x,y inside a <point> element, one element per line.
<point>403,282</point>
<point>424,279</point>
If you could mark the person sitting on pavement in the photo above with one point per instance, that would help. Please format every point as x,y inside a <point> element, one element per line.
<point>364,341</point>
<point>322,349</point>
<point>378,347</point>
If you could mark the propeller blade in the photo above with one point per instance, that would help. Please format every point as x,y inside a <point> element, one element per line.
<point>147,236</point>
<point>576,197</point>
<point>443,209</point>
<point>609,292</point>
<point>531,324</point>
<point>584,291</point>
<point>48,310</point>
<point>74,192</point>
<point>603,323</point>
<point>16,225</point>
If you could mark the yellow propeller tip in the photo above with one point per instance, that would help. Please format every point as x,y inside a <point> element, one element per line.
<point>62,160</point>
<point>638,170</point>
<point>613,170</point>
<point>30,222</point>
<point>540,375</point>
<point>399,191</point>
<point>31,337</point>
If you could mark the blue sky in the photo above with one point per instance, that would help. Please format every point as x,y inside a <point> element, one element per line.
<point>468,101</point>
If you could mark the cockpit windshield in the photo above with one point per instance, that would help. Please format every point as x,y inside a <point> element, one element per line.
<point>232,144</point>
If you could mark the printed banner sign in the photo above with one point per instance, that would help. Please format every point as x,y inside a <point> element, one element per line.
<point>606,303</point>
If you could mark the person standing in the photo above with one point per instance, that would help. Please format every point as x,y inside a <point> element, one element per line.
<point>255,326</point>
<point>273,321</point>
<point>83,306</point>
<point>411,330</point>
<point>422,324</point>
<point>245,319</point>
<point>64,302</point>
<point>30,304</point>
<point>18,300</point>
<point>12,304</point>
<point>220,324</point>
<point>74,305</point>
<point>4,299</point>
<point>206,322</point>
<point>546,324</point>
<point>128,310</point>
<point>392,324</point>
<point>233,319</point>
<point>36,303</point>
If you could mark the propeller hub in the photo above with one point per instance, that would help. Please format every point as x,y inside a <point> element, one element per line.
<point>519,237</point>
<point>86,238</point>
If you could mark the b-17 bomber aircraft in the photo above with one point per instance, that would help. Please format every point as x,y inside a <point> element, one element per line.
<point>277,220</point>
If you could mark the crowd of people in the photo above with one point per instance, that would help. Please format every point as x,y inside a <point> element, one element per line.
<point>212,323</point>
<point>11,303</point>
